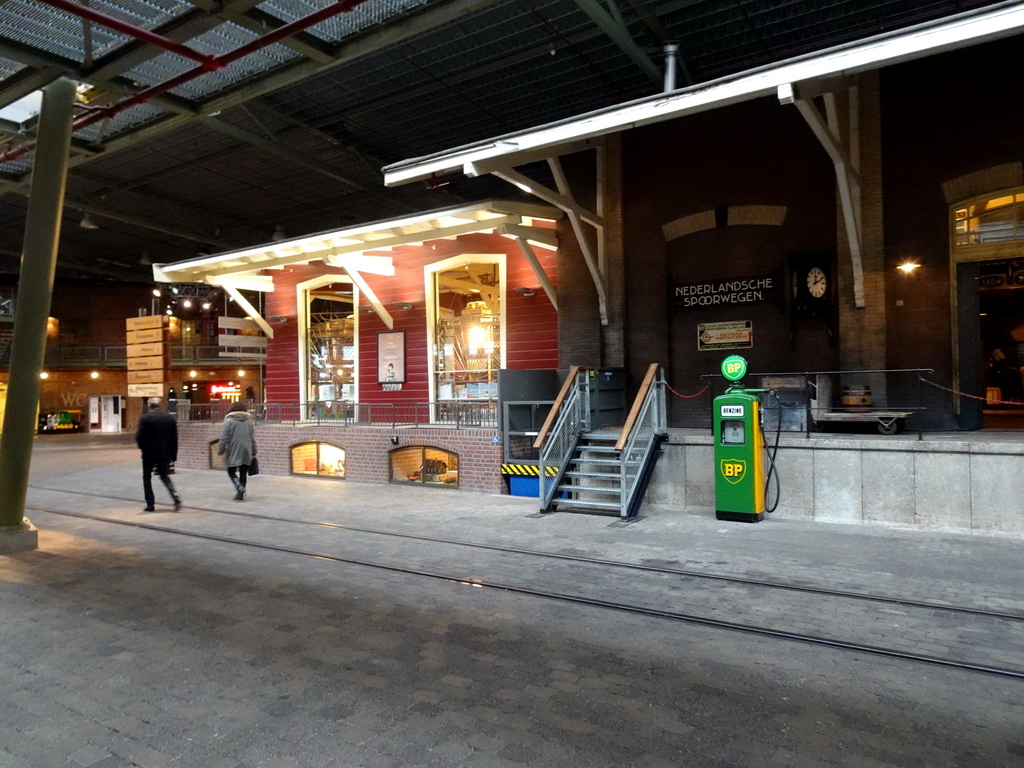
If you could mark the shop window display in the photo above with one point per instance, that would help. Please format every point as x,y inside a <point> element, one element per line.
<point>467,328</point>
<point>320,459</point>
<point>331,344</point>
<point>428,466</point>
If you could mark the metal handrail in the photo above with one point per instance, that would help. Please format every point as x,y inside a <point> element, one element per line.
<point>807,385</point>
<point>542,434</point>
<point>479,414</point>
<point>561,438</point>
<point>646,423</point>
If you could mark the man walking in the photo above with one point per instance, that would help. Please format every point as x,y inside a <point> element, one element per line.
<point>157,436</point>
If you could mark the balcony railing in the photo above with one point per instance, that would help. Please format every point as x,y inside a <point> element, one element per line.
<point>117,355</point>
<point>457,414</point>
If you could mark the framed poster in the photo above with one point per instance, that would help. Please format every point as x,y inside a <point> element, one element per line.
<point>391,357</point>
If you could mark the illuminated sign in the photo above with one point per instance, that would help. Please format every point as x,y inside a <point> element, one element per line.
<point>222,388</point>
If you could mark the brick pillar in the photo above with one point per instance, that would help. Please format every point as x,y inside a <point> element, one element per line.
<point>862,330</point>
<point>613,351</point>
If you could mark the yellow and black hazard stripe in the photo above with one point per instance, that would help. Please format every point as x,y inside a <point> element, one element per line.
<point>527,470</point>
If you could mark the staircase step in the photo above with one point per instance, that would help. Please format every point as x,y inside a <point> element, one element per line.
<point>604,437</point>
<point>589,489</point>
<point>597,449</point>
<point>592,475</point>
<point>577,460</point>
<point>614,505</point>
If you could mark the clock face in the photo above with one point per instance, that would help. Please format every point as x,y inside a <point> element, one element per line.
<point>817,283</point>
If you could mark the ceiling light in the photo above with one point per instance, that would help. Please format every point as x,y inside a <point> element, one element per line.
<point>206,305</point>
<point>187,303</point>
<point>88,222</point>
<point>156,291</point>
<point>279,234</point>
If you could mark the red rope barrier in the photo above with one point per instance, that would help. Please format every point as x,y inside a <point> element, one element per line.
<point>686,397</point>
<point>973,397</point>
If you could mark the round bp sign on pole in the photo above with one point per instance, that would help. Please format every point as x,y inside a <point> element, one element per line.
<point>734,368</point>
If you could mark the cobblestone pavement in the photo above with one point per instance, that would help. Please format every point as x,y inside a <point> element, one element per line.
<point>140,647</point>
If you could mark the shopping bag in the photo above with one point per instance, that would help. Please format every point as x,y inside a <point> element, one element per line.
<point>254,466</point>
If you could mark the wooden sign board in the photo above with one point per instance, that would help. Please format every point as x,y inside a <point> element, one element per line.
<point>155,363</point>
<point>146,322</point>
<point>146,350</point>
<point>147,390</point>
<point>146,377</point>
<point>146,336</point>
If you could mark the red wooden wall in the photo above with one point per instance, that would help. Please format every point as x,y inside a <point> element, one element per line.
<point>531,323</point>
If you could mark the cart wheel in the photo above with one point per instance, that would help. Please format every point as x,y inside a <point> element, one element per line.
<point>890,428</point>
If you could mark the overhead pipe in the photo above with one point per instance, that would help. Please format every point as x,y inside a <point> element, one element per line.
<point>671,51</point>
<point>214,62</point>
<point>209,61</point>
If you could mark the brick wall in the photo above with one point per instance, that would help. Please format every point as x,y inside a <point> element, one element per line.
<point>367,450</point>
<point>755,154</point>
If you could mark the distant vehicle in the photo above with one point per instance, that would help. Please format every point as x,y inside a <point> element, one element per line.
<point>60,421</point>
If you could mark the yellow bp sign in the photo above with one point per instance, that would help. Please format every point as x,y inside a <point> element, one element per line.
<point>733,470</point>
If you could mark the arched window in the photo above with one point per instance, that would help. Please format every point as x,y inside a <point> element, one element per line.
<point>316,458</point>
<point>422,464</point>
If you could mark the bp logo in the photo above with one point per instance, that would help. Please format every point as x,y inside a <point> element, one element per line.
<point>733,470</point>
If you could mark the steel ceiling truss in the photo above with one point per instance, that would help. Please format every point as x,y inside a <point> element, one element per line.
<point>107,78</point>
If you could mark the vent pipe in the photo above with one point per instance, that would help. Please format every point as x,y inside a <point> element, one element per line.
<point>671,51</point>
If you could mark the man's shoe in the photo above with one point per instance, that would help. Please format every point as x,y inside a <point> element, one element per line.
<point>177,505</point>
<point>149,509</point>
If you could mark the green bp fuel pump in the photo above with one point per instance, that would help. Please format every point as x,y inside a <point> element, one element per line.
<point>739,448</point>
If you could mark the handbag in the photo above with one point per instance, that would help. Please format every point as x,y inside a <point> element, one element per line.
<point>254,466</point>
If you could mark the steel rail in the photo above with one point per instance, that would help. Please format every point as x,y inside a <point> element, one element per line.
<point>564,597</point>
<point>885,599</point>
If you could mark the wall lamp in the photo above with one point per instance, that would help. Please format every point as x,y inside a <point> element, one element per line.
<point>403,305</point>
<point>908,267</point>
<point>524,291</point>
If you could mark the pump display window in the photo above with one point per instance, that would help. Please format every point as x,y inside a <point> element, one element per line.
<point>423,465</point>
<point>320,459</point>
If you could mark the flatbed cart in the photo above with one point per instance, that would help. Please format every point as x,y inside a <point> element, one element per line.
<point>888,422</point>
<point>821,411</point>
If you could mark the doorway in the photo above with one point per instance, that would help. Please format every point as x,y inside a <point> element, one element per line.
<point>105,413</point>
<point>987,238</point>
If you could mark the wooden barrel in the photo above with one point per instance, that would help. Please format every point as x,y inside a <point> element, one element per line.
<point>857,399</point>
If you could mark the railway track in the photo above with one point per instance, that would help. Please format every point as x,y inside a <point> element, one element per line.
<point>662,587</point>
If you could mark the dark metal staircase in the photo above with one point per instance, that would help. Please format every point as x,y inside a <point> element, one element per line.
<point>607,470</point>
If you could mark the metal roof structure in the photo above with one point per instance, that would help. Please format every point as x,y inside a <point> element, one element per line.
<point>204,125</point>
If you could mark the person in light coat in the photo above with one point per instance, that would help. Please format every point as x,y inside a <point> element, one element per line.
<point>238,446</point>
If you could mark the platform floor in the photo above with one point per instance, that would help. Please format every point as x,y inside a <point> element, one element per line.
<point>127,646</point>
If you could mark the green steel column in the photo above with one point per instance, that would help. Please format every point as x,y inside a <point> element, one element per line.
<point>35,286</point>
